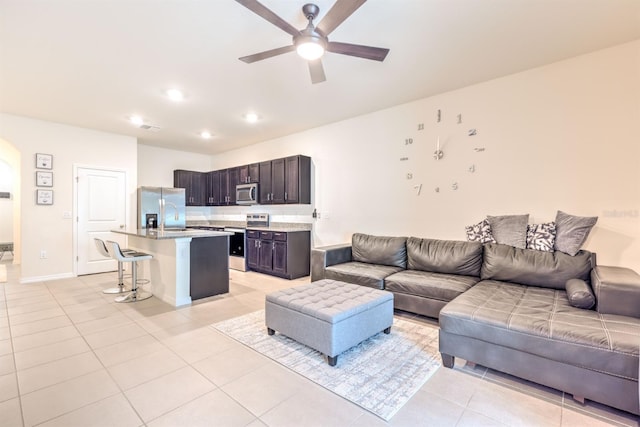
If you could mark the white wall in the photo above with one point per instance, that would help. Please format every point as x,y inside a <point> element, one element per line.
<point>562,136</point>
<point>156,165</point>
<point>6,205</point>
<point>43,227</point>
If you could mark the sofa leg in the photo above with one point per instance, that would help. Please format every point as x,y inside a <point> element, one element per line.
<point>332,360</point>
<point>447,360</point>
<point>270,331</point>
<point>579,399</point>
<point>388,330</point>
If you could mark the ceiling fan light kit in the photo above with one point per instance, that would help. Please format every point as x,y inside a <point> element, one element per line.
<point>312,42</point>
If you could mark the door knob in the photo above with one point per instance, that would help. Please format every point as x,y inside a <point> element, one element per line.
<point>121,226</point>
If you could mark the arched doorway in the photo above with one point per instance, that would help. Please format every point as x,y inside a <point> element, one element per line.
<point>10,206</point>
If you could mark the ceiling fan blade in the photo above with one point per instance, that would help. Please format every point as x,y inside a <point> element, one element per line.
<point>317,71</point>
<point>367,52</point>
<point>267,54</point>
<point>259,9</point>
<point>340,11</point>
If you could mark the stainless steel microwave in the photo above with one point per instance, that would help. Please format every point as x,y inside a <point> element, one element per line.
<point>247,194</point>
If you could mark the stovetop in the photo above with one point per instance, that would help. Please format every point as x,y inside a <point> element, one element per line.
<point>258,220</point>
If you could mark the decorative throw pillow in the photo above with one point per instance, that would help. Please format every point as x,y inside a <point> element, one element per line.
<point>580,294</point>
<point>480,232</point>
<point>572,231</point>
<point>509,229</point>
<point>541,237</point>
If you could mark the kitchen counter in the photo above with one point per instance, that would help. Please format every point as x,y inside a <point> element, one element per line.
<point>282,227</point>
<point>187,264</point>
<point>157,234</point>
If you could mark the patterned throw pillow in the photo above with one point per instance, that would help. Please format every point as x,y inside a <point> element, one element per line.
<point>541,237</point>
<point>480,232</point>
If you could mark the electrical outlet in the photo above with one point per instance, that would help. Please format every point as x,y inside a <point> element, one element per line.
<point>43,254</point>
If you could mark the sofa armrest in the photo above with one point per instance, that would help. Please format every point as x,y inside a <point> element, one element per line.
<point>617,290</point>
<point>325,256</point>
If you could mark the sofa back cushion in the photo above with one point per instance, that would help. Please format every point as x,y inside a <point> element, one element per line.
<point>379,250</point>
<point>535,268</point>
<point>444,256</point>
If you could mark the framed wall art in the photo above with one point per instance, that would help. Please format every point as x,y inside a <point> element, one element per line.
<point>44,197</point>
<point>44,179</point>
<point>44,161</point>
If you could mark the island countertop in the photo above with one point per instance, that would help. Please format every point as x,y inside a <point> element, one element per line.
<point>156,234</point>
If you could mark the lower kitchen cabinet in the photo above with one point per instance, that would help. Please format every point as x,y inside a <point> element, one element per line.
<point>282,254</point>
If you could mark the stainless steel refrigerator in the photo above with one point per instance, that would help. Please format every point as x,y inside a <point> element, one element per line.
<point>150,201</point>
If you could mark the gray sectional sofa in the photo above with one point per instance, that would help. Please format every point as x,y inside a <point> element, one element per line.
<point>510,309</point>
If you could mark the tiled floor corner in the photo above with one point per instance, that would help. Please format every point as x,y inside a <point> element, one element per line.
<point>70,356</point>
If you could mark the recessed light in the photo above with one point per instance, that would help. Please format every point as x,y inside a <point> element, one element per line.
<point>204,134</point>
<point>251,117</point>
<point>175,95</point>
<point>136,120</point>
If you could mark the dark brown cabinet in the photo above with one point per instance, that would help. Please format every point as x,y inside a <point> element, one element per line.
<point>212,188</point>
<point>283,254</point>
<point>281,181</point>
<point>285,181</point>
<point>249,173</point>
<point>297,179</point>
<point>194,184</point>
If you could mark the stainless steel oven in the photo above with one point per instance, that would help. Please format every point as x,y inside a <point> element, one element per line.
<point>236,248</point>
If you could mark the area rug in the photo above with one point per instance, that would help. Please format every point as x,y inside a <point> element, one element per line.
<point>380,374</point>
<point>3,273</point>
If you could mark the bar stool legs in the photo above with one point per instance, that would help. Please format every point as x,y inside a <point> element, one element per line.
<point>104,251</point>
<point>136,294</point>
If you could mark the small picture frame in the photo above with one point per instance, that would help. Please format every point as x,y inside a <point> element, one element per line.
<point>44,179</point>
<point>44,197</point>
<point>44,161</point>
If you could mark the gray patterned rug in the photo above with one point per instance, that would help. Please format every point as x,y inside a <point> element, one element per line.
<point>380,374</point>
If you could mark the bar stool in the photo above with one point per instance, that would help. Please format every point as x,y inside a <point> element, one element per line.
<point>104,251</point>
<point>133,258</point>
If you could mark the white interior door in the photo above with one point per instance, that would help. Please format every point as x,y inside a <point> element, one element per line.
<point>101,207</point>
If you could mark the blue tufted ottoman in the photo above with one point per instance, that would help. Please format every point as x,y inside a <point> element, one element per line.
<point>328,315</point>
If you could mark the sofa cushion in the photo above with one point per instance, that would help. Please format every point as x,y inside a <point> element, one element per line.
<point>509,229</point>
<point>536,268</point>
<point>572,231</point>
<point>541,322</point>
<point>360,273</point>
<point>379,250</point>
<point>443,287</point>
<point>579,294</point>
<point>444,256</point>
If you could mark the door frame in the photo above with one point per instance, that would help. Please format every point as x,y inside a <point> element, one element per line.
<point>74,218</point>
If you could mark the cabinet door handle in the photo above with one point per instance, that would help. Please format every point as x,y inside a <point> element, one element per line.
<point>285,195</point>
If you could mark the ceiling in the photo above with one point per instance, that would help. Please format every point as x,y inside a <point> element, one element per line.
<point>93,63</point>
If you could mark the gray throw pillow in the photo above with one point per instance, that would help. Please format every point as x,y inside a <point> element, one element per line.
<point>580,294</point>
<point>572,231</point>
<point>509,229</point>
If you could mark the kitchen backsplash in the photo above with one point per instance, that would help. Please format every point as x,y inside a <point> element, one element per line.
<point>277,213</point>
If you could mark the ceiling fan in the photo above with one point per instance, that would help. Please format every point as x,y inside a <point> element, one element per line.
<point>312,42</point>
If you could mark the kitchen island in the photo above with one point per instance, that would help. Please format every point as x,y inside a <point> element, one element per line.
<point>187,264</point>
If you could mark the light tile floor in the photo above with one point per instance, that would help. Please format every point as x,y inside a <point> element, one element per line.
<point>70,356</point>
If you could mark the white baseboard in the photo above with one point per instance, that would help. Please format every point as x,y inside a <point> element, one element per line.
<point>46,278</point>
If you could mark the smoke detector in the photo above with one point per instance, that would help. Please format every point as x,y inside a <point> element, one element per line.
<point>150,128</point>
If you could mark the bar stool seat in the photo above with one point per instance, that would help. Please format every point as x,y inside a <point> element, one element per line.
<point>133,257</point>
<point>104,251</point>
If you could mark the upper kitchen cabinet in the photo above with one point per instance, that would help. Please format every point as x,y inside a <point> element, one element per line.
<point>286,181</point>
<point>194,184</point>
<point>297,179</point>
<point>213,188</point>
<point>249,173</point>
